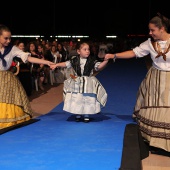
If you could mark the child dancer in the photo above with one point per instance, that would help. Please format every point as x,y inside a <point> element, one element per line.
<point>83,93</point>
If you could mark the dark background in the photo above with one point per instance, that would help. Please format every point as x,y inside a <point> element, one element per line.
<point>96,19</point>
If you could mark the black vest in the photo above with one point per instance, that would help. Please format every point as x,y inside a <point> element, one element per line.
<point>89,66</point>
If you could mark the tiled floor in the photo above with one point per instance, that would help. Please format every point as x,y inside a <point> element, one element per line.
<point>43,102</point>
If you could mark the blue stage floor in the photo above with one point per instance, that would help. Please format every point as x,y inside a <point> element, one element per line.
<point>57,142</point>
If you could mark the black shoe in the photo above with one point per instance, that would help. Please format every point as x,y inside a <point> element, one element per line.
<point>86,119</point>
<point>78,118</point>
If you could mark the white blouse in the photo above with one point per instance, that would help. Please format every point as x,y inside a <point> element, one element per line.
<point>146,48</point>
<point>15,52</point>
<point>82,64</point>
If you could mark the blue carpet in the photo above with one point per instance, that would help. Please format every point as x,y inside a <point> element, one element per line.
<point>57,142</point>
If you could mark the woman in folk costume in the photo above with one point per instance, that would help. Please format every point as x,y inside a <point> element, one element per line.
<point>14,104</point>
<point>152,109</point>
<point>83,93</point>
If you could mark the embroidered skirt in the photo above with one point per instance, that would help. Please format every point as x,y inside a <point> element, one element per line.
<point>84,95</point>
<point>14,104</point>
<point>152,108</point>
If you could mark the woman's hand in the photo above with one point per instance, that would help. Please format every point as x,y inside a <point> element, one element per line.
<point>53,66</point>
<point>109,56</point>
<point>49,63</point>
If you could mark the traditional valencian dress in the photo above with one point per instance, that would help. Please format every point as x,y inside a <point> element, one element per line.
<point>152,109</point>
<point>83,93</point>
<point>14,104</point>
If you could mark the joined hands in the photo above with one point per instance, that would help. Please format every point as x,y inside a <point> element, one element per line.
<point>53,66</point>
<point>108,56</point>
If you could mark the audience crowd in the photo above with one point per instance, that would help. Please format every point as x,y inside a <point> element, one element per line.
<point>36,76</point>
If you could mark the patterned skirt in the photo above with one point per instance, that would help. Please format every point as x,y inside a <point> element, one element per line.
<point>84,95</point>
<point>14,104</point>
<point>152,109</point>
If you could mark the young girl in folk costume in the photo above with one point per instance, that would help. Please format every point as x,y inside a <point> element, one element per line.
<point>83,93</point>
<point>14,104</point>
<point>152,109</point>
